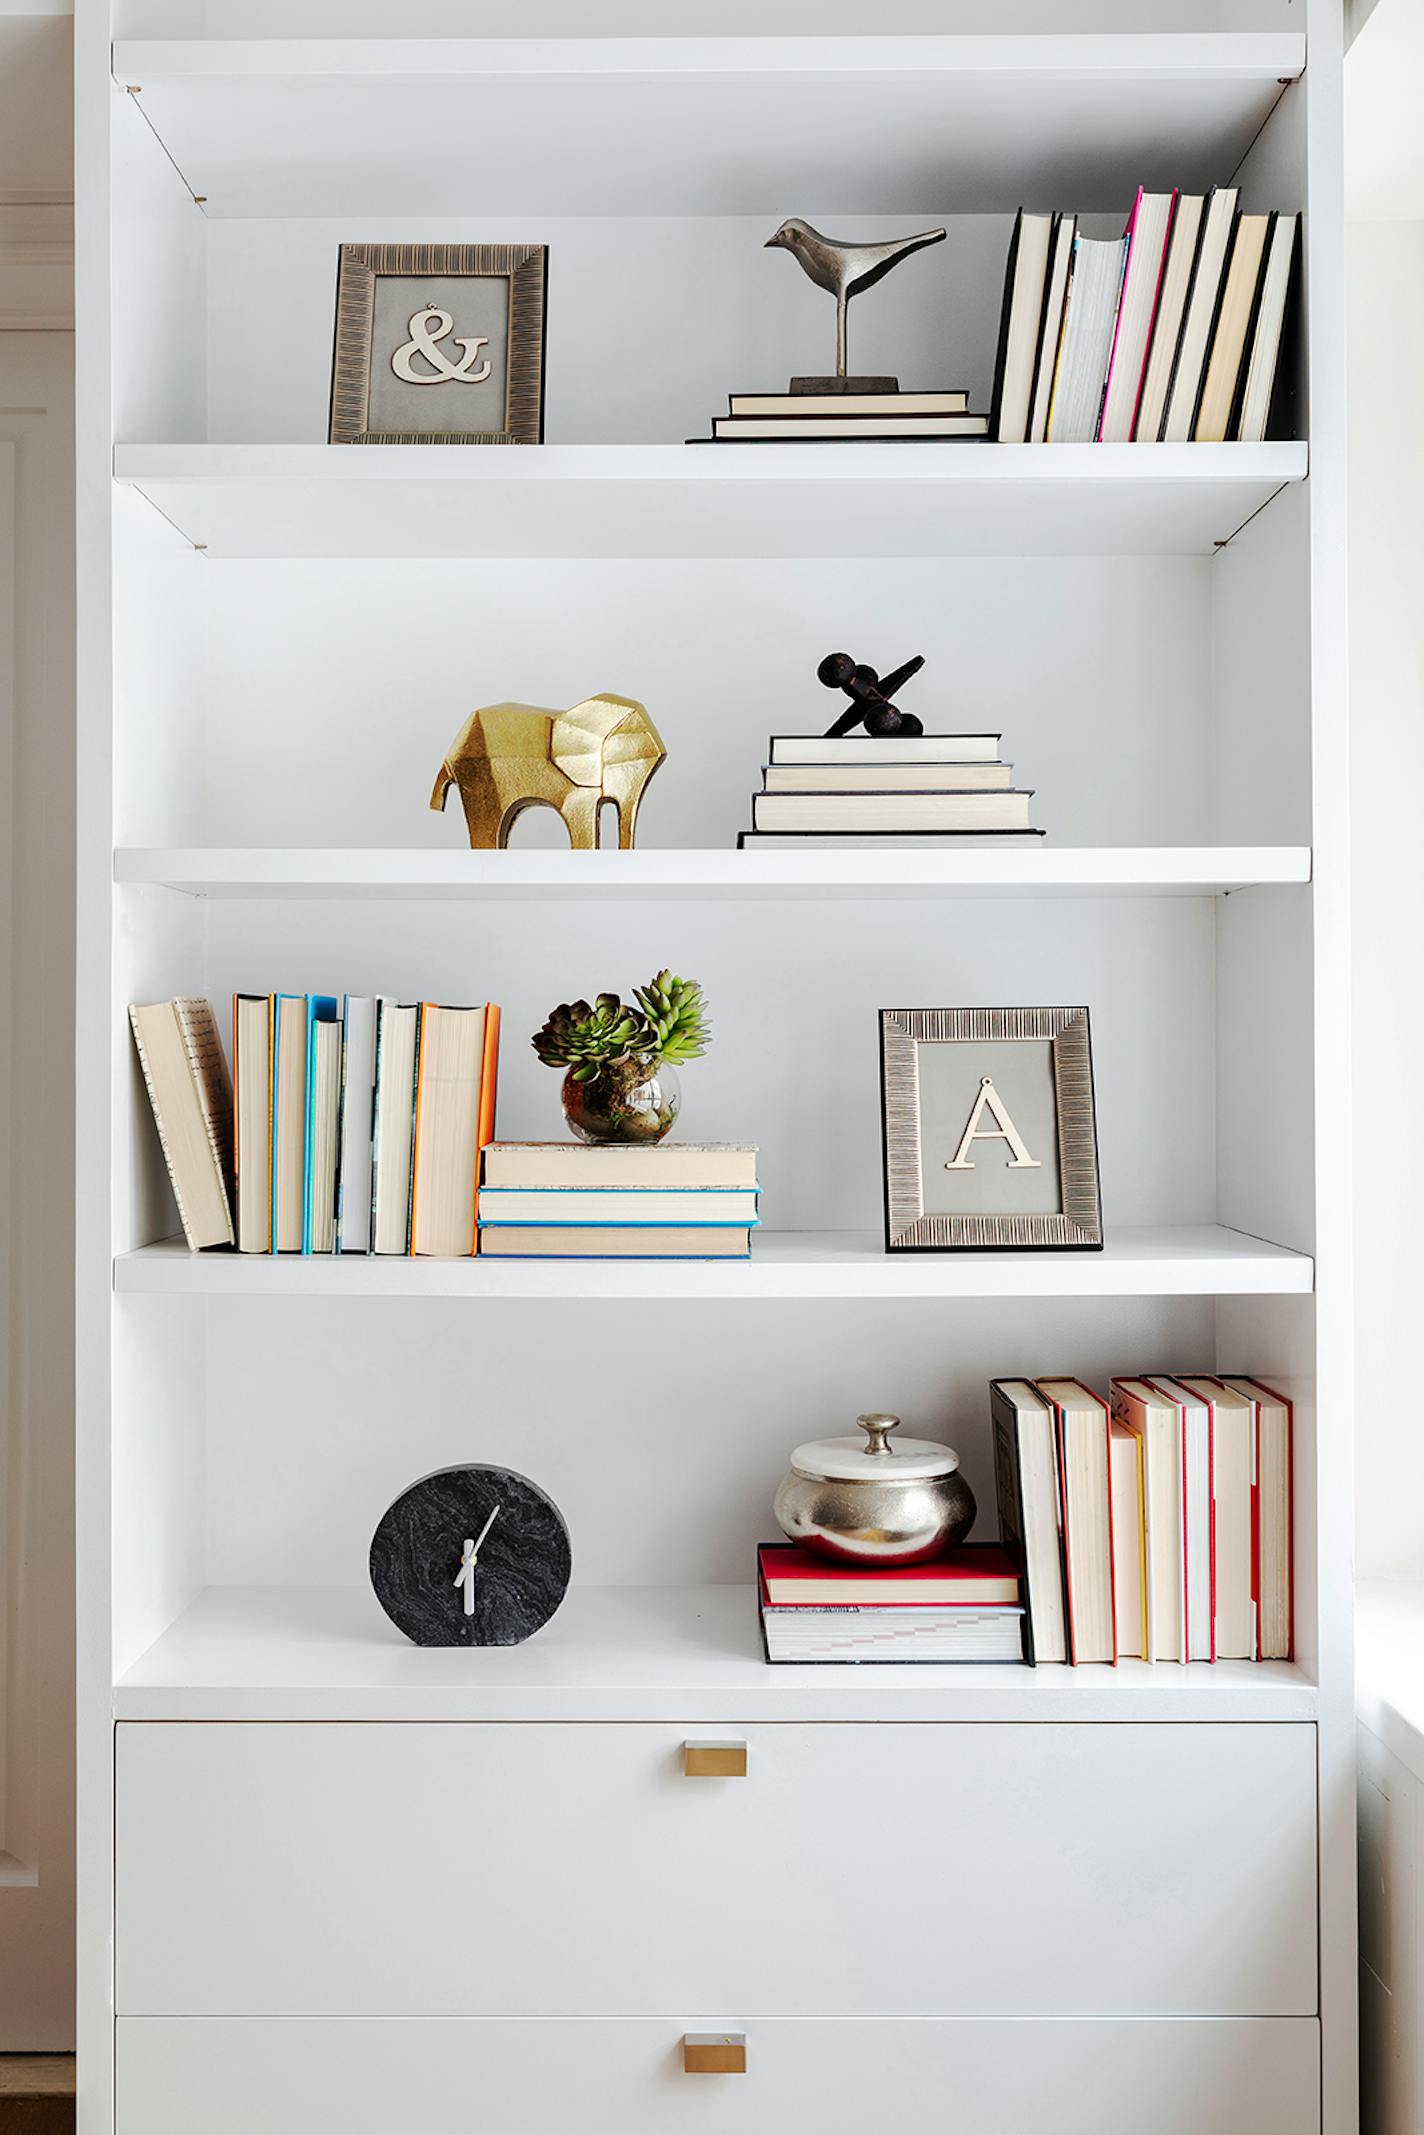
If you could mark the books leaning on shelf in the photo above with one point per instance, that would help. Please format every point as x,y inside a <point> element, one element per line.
<point>604,1201</point>
<point>840,790</point>
<point>801,418</point>
<point>1159,1528</point>
<point>963,1606</point>
<point>1171,333</point>
<point>358,1123</point>
<point>186,1077</point>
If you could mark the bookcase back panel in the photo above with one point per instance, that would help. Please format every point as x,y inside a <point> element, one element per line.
<point>662,1432</point>
<point>703,18</point>
<point>794,1060</point>
<point>652,320</point>
<point>310,704</point>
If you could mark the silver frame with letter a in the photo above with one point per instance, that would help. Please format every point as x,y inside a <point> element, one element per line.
<point>1077,1223</point>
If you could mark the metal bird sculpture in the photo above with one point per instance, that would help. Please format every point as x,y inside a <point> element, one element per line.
<point>844,269</point>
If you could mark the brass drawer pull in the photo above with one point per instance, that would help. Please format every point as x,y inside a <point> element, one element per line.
<point>714,1760</point>
<point>714,2053</point>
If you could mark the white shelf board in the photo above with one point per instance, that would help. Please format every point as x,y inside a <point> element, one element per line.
<point>691,1655</point>
<point>746,501</point>
<point>702,125</point>
<point>1198,1261</point>
<point>1036,870</point>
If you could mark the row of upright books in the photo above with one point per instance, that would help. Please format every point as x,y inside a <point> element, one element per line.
<point>868,790</point>
<point>1156,1526</point>
<point>345,1127</point>
<point>1170,333</point>
<point>618,1201</point>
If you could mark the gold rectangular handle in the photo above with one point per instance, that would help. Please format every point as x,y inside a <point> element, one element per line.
<point>714,2053</point>
<point>714,1760</point>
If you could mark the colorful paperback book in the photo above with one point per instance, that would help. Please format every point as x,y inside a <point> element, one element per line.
<point>584,1165</point>
<point>358,1096</point>
<point>976,1575</point>
<point>323,1102</point>
<point>631,1206</point>
<point>603,1241</point>
<point>289,1120</point>
<point>1031,1512</point>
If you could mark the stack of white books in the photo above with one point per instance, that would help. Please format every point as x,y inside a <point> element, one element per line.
<point>618,1201</point>
<point>862,790</point>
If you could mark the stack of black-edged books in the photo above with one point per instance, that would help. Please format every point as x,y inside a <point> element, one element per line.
<point>864,790</point>
<point>801,418</point>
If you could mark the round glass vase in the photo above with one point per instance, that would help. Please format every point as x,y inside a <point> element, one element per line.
<point>627,1101</point>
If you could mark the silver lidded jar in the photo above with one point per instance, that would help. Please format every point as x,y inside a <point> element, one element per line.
<point>869,1503</point>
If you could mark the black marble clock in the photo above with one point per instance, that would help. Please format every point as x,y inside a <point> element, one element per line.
<point>472,1556</point>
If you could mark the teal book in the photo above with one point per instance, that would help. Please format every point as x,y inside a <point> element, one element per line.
<point>322,1123</point>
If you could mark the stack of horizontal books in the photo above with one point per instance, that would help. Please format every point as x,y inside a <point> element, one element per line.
<point>800,418</point>
<point>866,790</point>
<point>962,1606</point>
<point>616,1201</point>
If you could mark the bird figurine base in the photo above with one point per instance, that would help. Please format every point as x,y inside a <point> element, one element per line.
<point>845,385</point>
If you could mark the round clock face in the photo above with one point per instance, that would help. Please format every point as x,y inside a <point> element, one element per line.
<point>471,1557</point>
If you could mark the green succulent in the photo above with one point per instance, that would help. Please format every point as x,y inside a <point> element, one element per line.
<point>667,1024</point>
<point>583,1038</point>
<point>675,1012</point>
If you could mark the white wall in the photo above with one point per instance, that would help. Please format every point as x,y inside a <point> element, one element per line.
<point>1385,296</point>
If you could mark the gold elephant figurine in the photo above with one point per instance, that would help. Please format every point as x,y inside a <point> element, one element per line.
<point>509,757</point>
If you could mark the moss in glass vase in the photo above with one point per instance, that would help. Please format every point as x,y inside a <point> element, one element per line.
<point>626,1101</point>
<point>620,1059</point>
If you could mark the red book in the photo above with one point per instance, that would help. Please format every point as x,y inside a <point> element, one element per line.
<point>977,1575</point>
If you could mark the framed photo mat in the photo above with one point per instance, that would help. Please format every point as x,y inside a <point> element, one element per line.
<point>361,266</point>
<point>1077,1225</point>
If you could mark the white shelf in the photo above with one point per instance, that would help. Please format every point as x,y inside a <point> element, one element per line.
<point>1201,1261</point>
<point>689,1654</point>
<point>362,873</point>
<point>701,125</point>
<point>747,501</point>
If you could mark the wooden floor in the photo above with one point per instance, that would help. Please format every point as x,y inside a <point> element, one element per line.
<point>36,2094</point>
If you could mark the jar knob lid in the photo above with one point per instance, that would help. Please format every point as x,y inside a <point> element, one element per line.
<point>877,1430</point>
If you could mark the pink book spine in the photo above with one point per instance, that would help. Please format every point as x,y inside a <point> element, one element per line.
<point>1129,238</point>
<point>1156,300</point>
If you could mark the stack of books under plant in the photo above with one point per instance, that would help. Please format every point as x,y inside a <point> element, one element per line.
<point>619,1190</point>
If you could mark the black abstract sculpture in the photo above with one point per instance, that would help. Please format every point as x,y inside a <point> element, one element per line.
<point>870,695</point>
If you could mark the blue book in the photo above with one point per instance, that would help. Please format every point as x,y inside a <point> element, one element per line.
<point>321,1119</point>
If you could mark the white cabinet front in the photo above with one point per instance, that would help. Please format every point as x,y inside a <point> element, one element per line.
<point>576,1870</point>
<point>193,2076</point>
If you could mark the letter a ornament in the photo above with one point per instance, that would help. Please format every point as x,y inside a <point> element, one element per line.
<point>1004,1130</point>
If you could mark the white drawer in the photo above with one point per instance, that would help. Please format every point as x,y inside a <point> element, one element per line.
<point>461,1870</point>
<point>196,2076</point>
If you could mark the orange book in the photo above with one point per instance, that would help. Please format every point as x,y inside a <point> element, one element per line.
<point>454,1117</point>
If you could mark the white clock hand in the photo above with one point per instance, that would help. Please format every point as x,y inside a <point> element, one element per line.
<point>465,1576</point>
<point>485,1529</point>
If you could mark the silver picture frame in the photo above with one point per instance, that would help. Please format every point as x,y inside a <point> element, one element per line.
<point>932,1102</point>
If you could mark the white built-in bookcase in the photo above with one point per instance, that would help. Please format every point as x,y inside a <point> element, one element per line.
<point>279,639</point>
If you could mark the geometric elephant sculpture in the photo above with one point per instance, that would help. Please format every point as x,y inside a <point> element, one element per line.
<point>509,757</point>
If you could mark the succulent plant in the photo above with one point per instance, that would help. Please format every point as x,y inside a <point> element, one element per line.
<point>583,1039</point>
<point>674,1010</point>
<point>666,1025</point>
